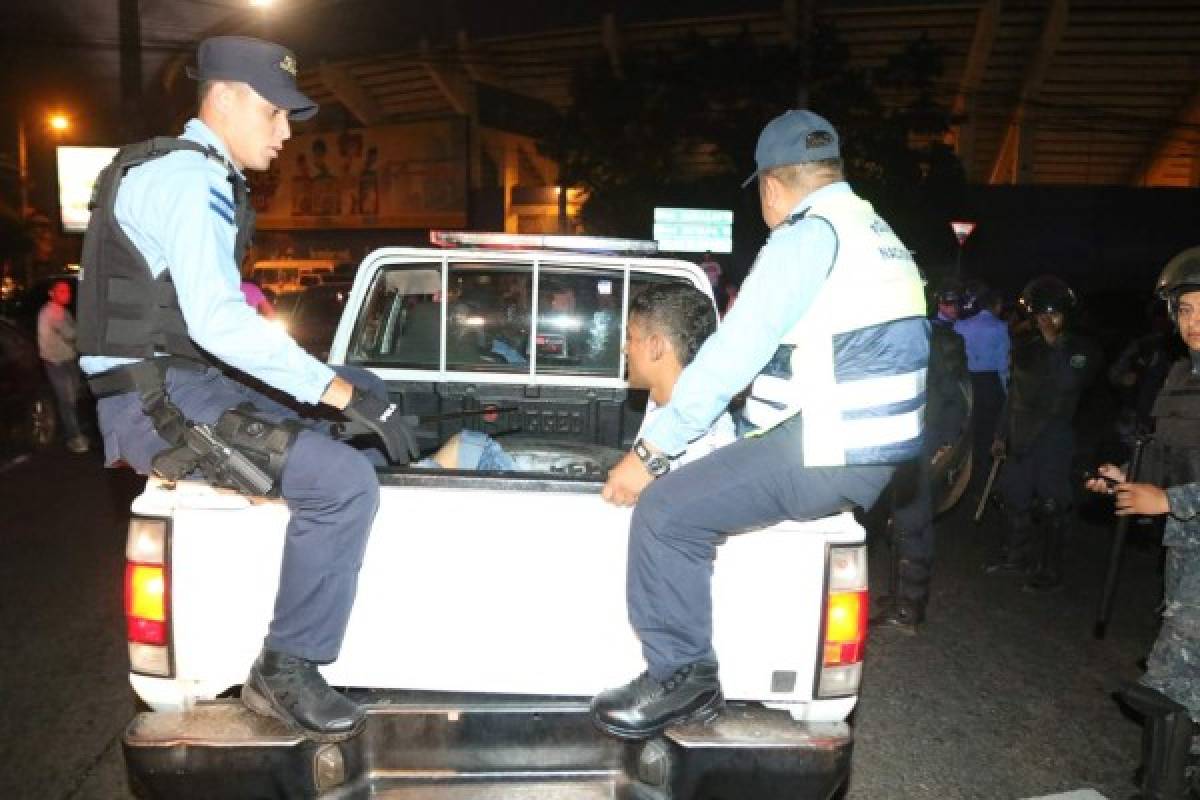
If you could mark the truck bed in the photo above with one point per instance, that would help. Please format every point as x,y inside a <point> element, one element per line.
<point>465,588</point>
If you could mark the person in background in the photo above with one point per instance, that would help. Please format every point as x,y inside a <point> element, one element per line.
<point>1168,694</point>
<point>1140,370</point>
<point>947,417</point>
<point>948,310</point>
<point>1051,369</point>
<point>987,342</point>
<point>256,299</point>
<point>56,346</point>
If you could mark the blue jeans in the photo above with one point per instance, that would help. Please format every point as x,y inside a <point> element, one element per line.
<point>64,378</point>
<point>476,450</point>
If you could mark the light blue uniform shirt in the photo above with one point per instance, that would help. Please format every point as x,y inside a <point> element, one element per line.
<point>786,276</point>
<point>178,212</point>
<point>987,343</point>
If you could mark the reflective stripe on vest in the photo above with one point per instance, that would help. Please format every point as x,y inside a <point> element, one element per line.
<point>854,365</point>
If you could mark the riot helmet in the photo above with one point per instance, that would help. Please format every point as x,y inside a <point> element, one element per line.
<point>1047,294</point>
<point>1182,273</point>
<point>971,298</point>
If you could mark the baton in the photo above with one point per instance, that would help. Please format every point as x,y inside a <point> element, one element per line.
<point>1118,545</point>
<point>987,489</point>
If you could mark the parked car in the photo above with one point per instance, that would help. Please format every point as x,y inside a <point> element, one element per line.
<point>28,418</point>
<point>311,316</point>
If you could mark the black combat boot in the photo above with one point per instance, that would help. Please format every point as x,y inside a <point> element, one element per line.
<point>903,615</point>
<point>291,690</point>
<point>1050,566</point>
<point>1166,743</point>
<point>905,610</point>
<point>1015,559</point>
<point>646,707</point>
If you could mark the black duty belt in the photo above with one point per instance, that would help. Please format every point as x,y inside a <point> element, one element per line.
<point>142,376</point>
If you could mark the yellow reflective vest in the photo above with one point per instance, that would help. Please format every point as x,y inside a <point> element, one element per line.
<point>854,365</point>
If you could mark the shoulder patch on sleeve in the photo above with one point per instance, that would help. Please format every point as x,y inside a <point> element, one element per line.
<point>221,204</point>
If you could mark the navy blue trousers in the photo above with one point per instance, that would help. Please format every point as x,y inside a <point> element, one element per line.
<point>682,517</point>
<point>330,489</point>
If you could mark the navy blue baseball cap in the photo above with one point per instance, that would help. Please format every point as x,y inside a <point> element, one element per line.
<point>794,137</point>
<point>268,68</point>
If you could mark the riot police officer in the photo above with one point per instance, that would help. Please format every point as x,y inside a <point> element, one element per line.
<point>1050,369</point>
<point>1168,694</point>
<point>931,483</point>
<point>162,327</point>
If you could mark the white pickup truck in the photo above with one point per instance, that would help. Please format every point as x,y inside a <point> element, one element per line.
<point>491,605</point>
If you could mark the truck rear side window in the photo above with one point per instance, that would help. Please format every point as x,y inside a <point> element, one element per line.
<point>579,321</point>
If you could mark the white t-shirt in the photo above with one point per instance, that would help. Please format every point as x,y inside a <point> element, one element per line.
<point>720,434</point>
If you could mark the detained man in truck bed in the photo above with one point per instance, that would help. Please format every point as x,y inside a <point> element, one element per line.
<point>830,327</point>
<point>667,325</point>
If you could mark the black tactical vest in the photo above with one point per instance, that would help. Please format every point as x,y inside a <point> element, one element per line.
<point>1176,415</point>
<point>123,309</point>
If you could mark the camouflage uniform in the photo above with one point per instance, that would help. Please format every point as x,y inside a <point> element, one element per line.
<point>1173,667</point>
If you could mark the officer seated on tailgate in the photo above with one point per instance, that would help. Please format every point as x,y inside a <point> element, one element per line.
<point>166,336</point>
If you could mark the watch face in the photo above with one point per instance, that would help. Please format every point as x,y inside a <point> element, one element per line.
<point>659,465</point>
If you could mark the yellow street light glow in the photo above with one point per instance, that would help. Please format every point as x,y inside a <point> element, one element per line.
<point>261,3</point>
<point>59,122</point>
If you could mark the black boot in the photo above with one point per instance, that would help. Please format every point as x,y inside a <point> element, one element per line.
<point>1167,732</point>
<point>646,707</point>
<point>291,690</point>
<point>903,615</point>
<point>1050,566</point>
<point>1015,559</point>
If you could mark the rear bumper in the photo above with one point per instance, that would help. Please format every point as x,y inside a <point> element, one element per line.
<point>457,747</point>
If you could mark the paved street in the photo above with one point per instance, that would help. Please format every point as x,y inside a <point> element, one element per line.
<point>1002,695</point>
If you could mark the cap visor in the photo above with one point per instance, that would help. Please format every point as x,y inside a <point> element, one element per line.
<point>299,107</point>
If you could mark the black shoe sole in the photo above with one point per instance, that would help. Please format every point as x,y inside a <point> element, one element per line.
<point>704,715</point>
<point>265,707</point>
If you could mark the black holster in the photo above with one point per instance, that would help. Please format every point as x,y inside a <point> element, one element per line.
<point>243,451</point>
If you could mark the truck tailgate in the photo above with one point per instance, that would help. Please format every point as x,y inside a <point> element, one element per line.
<point>517,591</point>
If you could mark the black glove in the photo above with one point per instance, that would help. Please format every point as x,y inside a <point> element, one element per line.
<point>383,418</point>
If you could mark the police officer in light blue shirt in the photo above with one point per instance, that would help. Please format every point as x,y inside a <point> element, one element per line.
<point>163,324</point>
<point>830,330</point>
<point>987,341</point>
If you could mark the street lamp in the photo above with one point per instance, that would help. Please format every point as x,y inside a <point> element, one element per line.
<point>57,122</point>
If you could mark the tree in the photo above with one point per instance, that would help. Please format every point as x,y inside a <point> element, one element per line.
<point>679,126</point>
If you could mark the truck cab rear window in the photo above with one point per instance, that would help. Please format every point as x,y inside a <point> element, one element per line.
<point>493,317</point>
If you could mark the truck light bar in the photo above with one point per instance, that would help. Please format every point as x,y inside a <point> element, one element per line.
<point>537,241</point>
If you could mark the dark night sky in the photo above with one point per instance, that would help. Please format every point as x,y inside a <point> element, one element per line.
<point>65,54</point>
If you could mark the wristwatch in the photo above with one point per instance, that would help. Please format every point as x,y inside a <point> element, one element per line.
<point>656,464</point>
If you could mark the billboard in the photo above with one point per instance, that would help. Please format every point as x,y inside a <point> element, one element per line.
<point>391,176</point>
<point>693,230</point>
<point>77,171</point>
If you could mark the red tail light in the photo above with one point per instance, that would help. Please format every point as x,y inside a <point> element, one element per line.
<point>148,596</point>
<point>845,628</point>
<point>844,632</point>
<point>146,603</point>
